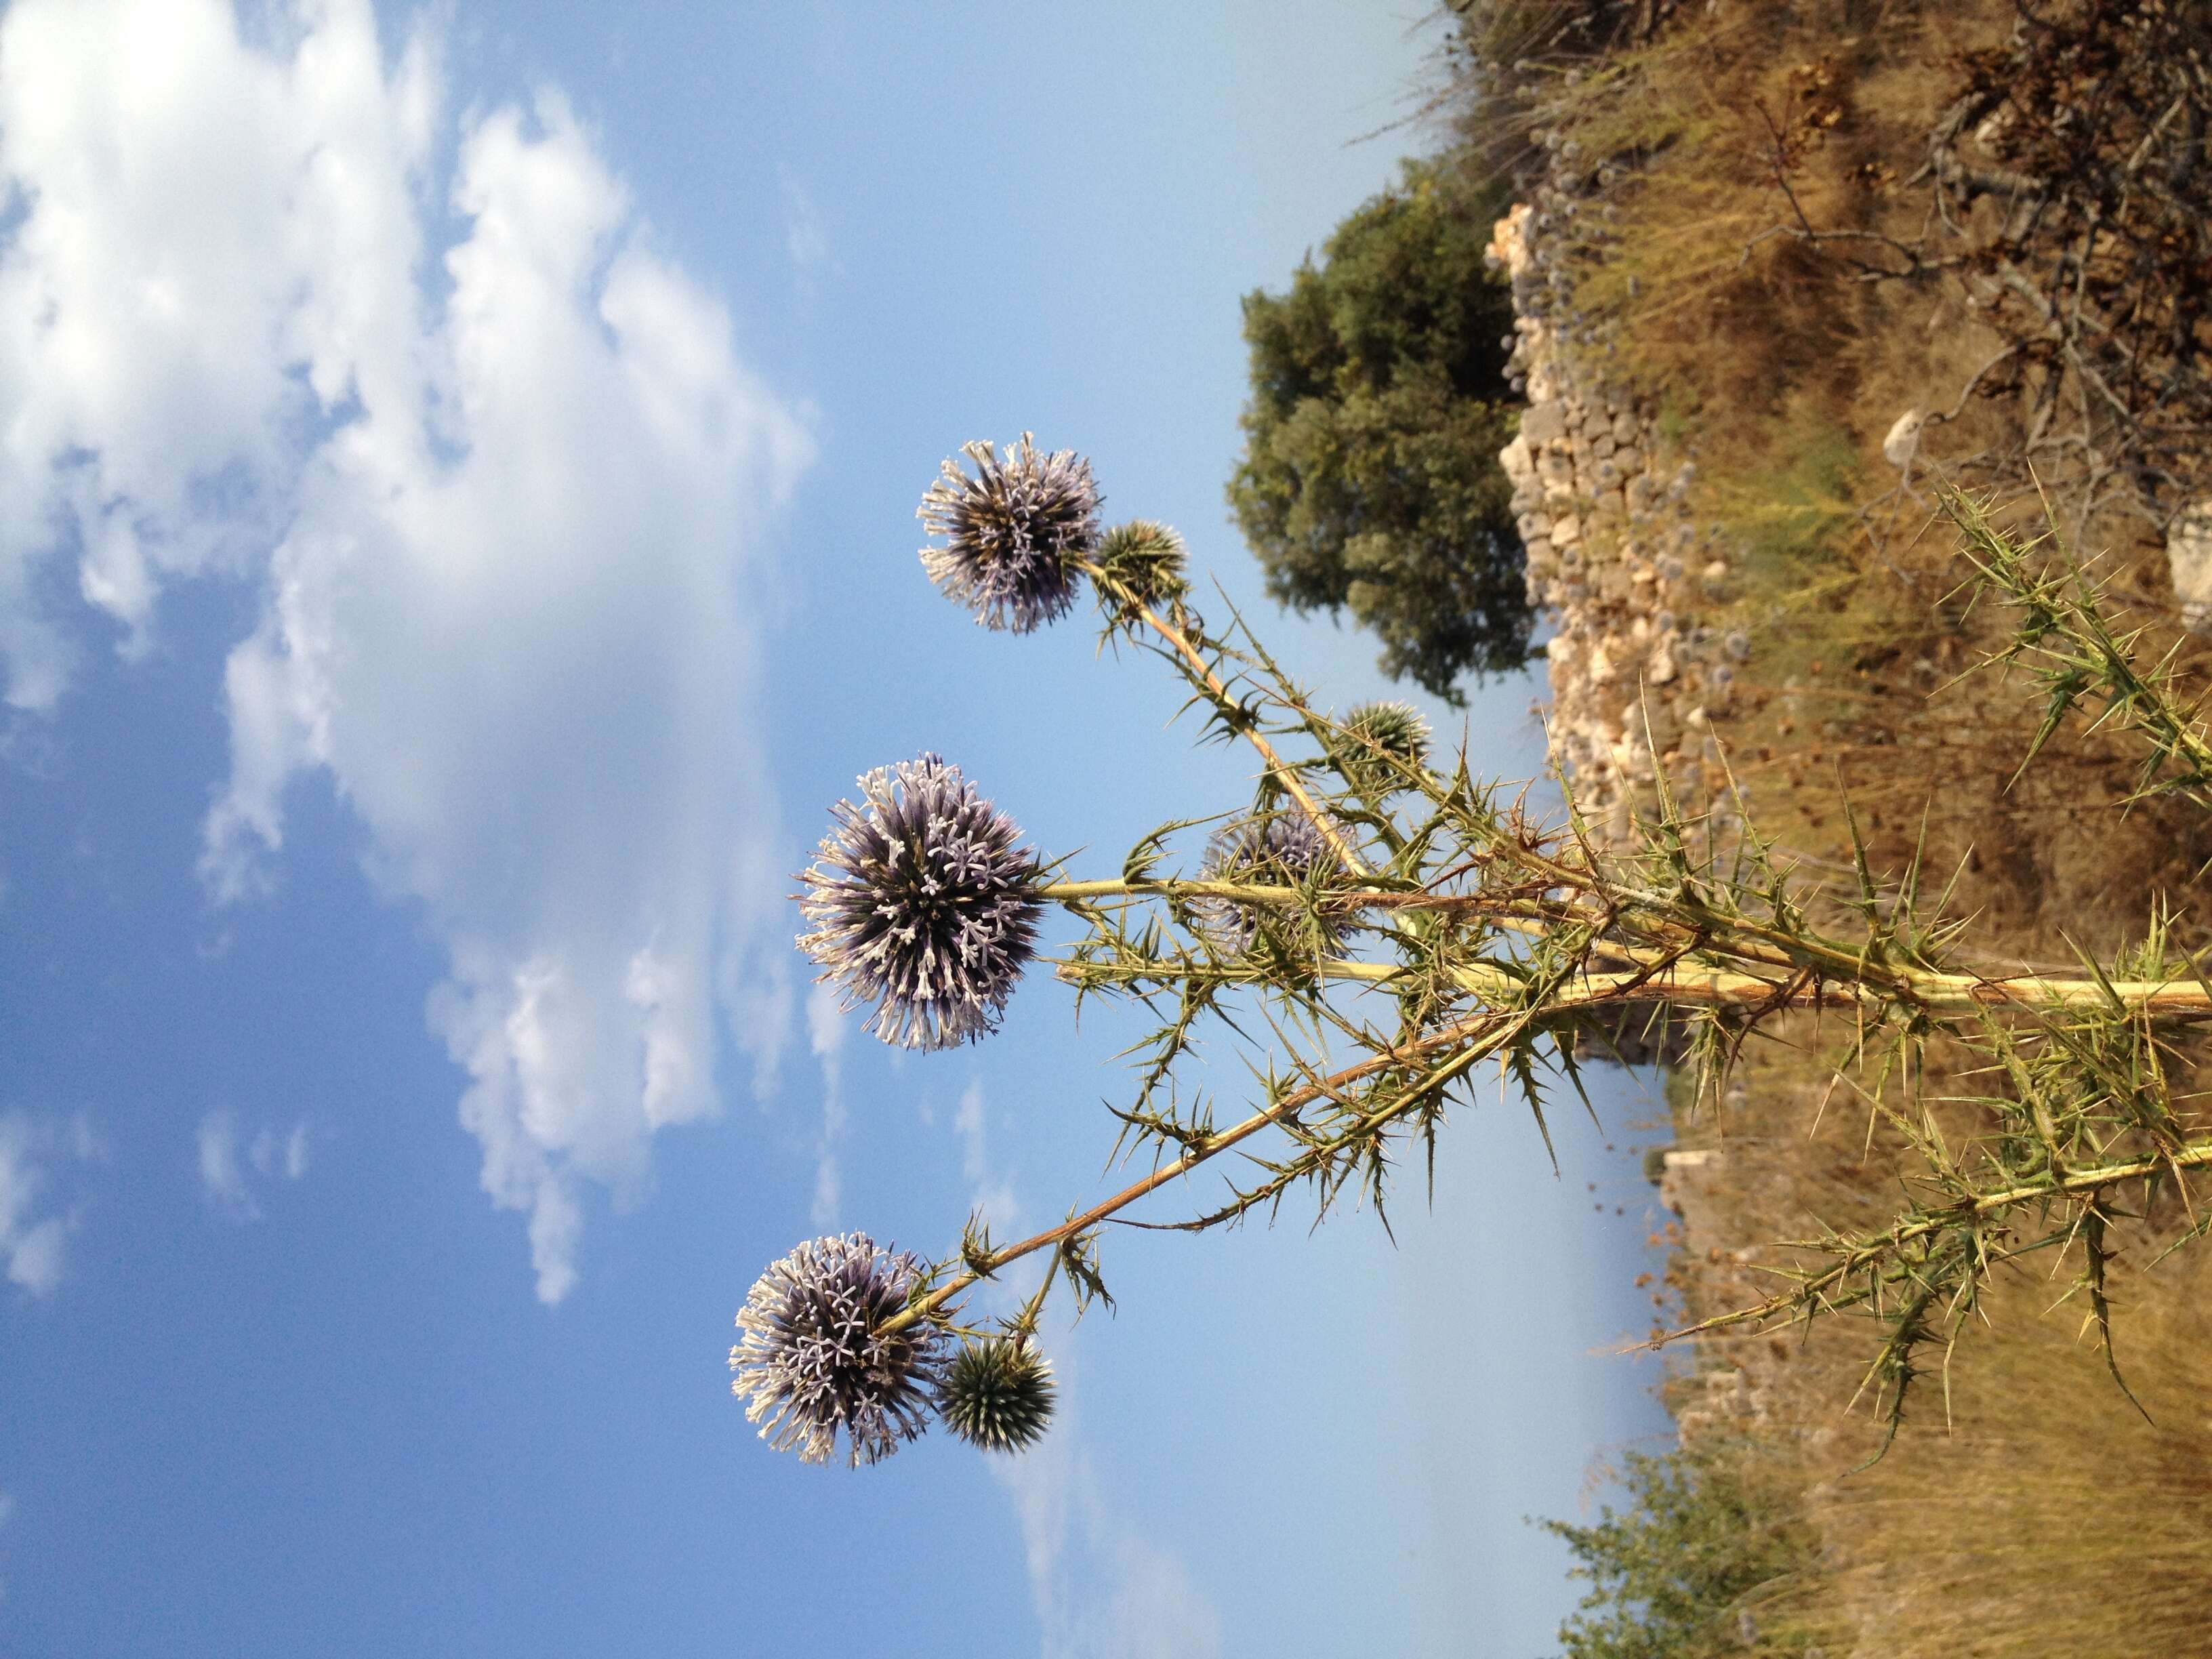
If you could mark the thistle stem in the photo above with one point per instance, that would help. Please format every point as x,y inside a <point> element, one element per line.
<point>1717,987</point>
<point>2067,1183</point>
<point>1287,775</point>
<point>1260,893</point>
<point>1469,1031</point>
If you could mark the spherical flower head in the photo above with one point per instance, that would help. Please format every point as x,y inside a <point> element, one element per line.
<point>924,903</point>
<point>997,1393</point>
<point>1282,849</point>
<point>815,1361</point>
<point>1379,739</point>
<point>1013,533</point>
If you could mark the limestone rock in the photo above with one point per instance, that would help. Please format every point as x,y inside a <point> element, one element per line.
<point>1904,439</point>
<point>2189,557</point>
<point>1543,422</point>
<point>1517,461</point>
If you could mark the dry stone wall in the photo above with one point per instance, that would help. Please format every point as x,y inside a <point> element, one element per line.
<point>1638,671</point>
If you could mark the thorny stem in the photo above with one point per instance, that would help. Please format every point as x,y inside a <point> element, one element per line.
<point>2067,1183</point>
<point>1352,898</point>
<point>1958,993</point>
<point>1472,1029</point>
<point>1845,986</point>
<point>1285,774</point>
<point>1692,985</point>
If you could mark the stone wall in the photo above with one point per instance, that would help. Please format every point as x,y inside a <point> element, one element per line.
<point>1637,671</point>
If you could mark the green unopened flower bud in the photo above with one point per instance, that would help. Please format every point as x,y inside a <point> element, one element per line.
<point>1379,737</point>
<point>997,1393</point>
<point>1143,560</point>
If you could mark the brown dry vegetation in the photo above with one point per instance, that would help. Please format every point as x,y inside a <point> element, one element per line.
<point>1782,368</point>
<point>2028,1507</point>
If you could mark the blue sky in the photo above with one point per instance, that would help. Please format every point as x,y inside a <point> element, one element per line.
<point>457,488</point>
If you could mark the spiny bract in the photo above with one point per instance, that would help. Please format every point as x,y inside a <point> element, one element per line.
<point>1379,737</point>
<point>1284,849</point>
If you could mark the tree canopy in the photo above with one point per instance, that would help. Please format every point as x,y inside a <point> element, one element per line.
<point>1379,403</point>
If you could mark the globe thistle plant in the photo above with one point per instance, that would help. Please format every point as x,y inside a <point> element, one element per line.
<point>1378,933</point>
<point>998,1393</point>
<point>815,1361</point>
<point>1014,533</point>
<point>1284,848</point>
<point>923,903</point>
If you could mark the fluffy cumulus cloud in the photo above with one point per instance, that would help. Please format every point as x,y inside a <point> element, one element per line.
<point>494,458</point>
<point>825,1036</point>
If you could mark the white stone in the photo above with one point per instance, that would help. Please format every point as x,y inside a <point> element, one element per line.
<point>1543,421</point>
<point>1516,460</point>
<point>1566,531</point>
<point>1904,438</point>
<point>2189,557</point>
<point>1509,239</point>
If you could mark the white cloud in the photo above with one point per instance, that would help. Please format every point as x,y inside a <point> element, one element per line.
<point>825,1036</point>
<point>1102,1589</point>
<point>221,1176</point>
<point>35,1152</point>
<point>994,1201</point>
<point>805,240</point>
<point>505,499</point>
<point>233,1167</point>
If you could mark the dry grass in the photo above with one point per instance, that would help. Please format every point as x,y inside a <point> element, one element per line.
<point>1781,371</point>
<point>2028,1507</point>
<point>2036,1512</point>
<point>2069,1524</point>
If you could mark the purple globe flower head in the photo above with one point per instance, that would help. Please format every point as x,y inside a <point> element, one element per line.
<point>815,1362</point>
<point>924,903</point>
<point>1279,849</point>
<point>1013,532</point>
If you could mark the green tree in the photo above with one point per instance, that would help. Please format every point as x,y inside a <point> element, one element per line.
<point>1379,403</point>
<point>1712,1555</point>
